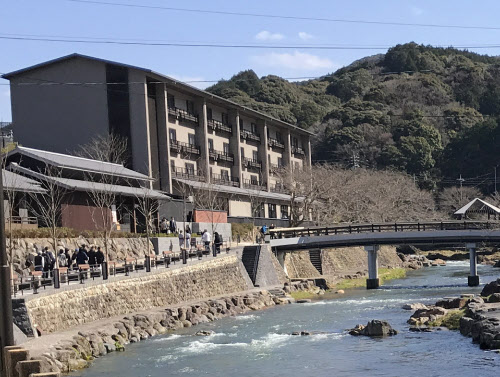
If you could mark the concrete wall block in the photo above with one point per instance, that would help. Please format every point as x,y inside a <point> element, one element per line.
<point>29,367</point>
<point>12,356</point>
<point>49,374</point>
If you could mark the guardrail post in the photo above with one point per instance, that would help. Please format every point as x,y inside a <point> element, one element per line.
<point>442,227</point>
<point>395,227</point>
<point>418,226</point>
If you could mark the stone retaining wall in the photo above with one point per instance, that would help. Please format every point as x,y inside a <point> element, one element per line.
<point>66,310</point>
<point>338,261</point>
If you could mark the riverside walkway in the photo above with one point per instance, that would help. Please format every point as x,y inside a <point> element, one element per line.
<point>371,236</point>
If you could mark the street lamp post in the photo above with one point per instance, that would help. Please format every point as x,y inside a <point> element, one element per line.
<point>6,327</point>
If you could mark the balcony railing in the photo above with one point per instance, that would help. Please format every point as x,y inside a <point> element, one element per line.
<point>249,135</point>
<point>298,150</point>
<point>181,114</point>
<point>278,187</point>
<point>251,163</point>
<point>220,155</point>
<point>178,146</point>
<point>275,143</point>
<point>187,174</point>
<point>275,169</point>
<point>220,179</point>
<point>253,184</point>
<point>217,125</point>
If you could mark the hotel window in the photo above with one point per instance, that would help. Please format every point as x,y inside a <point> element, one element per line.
<point>191,139</point>
<point>225,174</point>
<point>284,211</point>
<point>254,180</point>
<point>242,152</point>
<point>280,162</point>
<point>173,134</point>
<point>170,100</point>
<point>258,209</point>
<point>295,142</point>
<point>209,113</point>
<point>226,148</point>
<point>241,124</point>
<point>278,136</point>
<point>189,168</point>
<point>272,210</point>
<point>210,144</point>
<point>255,155</point>
<point>225,118</point>
<point>190,106</point>
<point>253,127</point>
<point>172,166</point>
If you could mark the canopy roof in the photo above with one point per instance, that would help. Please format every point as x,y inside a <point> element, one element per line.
<point>16,182</point>
<point>87,186</point>
<point>67,161</point>
<point>234,190</point>
<point>478,206</point>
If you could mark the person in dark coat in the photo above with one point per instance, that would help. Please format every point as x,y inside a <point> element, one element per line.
<point>99,256</point>
<point>39,261</point>
<point>82,257</point>
<point>217,241</point>
<point>172,225</point>
<point>92,256</point>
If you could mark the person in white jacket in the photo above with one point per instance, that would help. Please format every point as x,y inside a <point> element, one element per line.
<point>206,238</point>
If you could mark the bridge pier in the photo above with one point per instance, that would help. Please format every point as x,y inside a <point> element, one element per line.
<point>473,278</point>
<point>373,281</point>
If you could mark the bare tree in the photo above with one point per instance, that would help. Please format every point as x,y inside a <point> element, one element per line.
<point>48,206</point>
<point>102,194</point>
<point>148,207</point>
<point>453,198</point>
<point>12,195</point>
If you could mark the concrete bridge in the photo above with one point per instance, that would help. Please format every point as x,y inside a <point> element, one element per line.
<point>371,236</point>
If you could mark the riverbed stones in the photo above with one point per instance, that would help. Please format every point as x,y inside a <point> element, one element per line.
<point>490,288</point>
<point>452,302</point>
<point>204,333</point>
<point>374,328</point>
<point>303,301</point>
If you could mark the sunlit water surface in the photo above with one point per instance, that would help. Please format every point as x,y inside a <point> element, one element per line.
<point>260,344</point>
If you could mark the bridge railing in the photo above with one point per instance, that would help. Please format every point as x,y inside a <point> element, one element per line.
<point>383,227</point>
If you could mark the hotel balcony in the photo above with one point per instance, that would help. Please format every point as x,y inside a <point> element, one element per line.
<point>180,147</point>
<point>251,163</point>
<point>187,174</point>
<point>278,187</point>
<point>183,115</point>
<point>249,135</point>
<point>253,184</point>
<point>276,169</point>
<point>220,156</point>
<point>225,180</point>
<point>275,143</point>
<point>217,125</point>
<point>298,151</point>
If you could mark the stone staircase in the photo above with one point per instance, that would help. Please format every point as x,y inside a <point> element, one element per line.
<point>278,292</point>
<point>250,259</point>
<point>315,257</point>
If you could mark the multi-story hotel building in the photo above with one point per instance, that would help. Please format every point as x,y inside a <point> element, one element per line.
<point>176,133</point>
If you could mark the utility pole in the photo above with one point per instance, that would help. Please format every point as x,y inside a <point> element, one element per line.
<point>6,323</point>
<point>461,180</point>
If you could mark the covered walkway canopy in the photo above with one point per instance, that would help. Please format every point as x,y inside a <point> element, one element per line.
<point>478,207</point>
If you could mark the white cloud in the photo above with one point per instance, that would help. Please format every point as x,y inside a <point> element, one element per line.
<point>416,11</point>
<point>305,36</point>
<point>265,35</point>
<point>297,60</point>
<point>196,81</point>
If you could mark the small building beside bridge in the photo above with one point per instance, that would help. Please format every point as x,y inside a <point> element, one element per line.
<point>478,209</point>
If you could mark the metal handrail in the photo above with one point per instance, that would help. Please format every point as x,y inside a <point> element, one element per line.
<point>386,227</point>
<point>183,114</point>
<point>275,143</point>
<point>251,162</point>
<point>245,134</point>
<point>218,125</point>
<point>185,147</point>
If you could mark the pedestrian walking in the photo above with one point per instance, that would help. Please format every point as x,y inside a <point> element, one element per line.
<point>181,239</point>
<point>92,256</point>
<point>206,238</point>
<point>62,259</point>
<point>172,225</point>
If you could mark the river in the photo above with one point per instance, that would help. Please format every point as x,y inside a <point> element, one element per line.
<point>260,344</point>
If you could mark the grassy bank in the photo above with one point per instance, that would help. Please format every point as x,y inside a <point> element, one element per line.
<point>300,295</point>
<point>384,274</point>
<point>451,320</point>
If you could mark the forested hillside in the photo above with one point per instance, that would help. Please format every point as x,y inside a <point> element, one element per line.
<point>431,112</point>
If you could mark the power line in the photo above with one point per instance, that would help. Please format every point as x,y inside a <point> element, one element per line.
<point>217,45</point>
<point>276,16</point>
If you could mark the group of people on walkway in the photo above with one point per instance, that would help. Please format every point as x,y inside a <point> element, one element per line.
<point>168,226</point>
<point>44,260</point>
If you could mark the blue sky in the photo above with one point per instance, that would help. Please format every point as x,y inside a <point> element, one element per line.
<point>66,18</point>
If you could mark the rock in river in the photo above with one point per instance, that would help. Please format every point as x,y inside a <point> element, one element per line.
<point>374,328</point>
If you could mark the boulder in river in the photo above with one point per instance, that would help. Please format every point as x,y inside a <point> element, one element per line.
<point>414,306</point>
<point>452,302</point>
<point>490,288</point>
<point>374,328</point>
<point>204,333</point>
<point>303,301</point>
